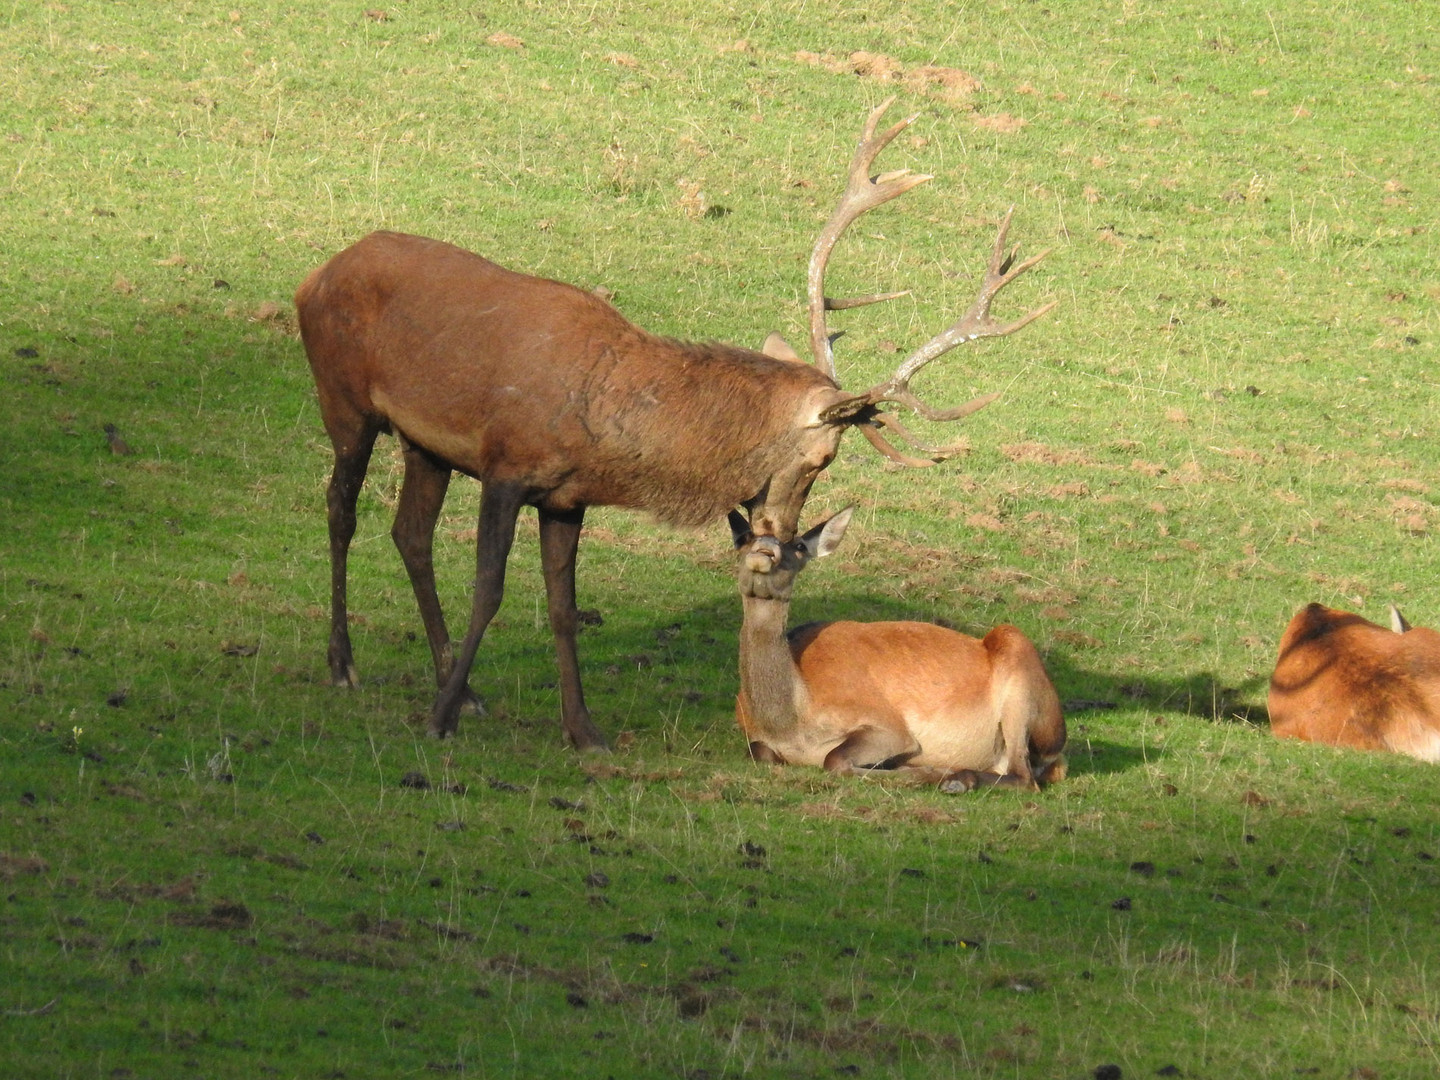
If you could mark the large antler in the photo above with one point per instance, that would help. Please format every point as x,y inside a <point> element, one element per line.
<point>863,193</point>
<point>974,324</point>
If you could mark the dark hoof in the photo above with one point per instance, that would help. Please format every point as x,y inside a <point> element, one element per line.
<point>959,783</point>
<point>442,726</point>
<point>450,703</point>
<point>441,729</point>
<point>587,738</point>
<point>589,741</point>
<point>341,662</point>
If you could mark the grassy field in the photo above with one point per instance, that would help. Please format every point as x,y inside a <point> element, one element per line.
<point>213,864</point>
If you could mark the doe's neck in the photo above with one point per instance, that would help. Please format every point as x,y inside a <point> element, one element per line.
<point>769,679</point>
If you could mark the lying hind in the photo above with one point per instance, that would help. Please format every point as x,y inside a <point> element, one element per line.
<point>910,696</point>
<point>1343,680</point>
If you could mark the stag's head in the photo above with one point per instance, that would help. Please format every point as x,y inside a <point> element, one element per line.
<point>823,414</point>
<point>827,412</point>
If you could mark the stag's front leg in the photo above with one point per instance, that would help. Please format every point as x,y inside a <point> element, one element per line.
<point>352,458</point>
<point>422,494</point>
<point>499,507</point>
<point>559,541</point>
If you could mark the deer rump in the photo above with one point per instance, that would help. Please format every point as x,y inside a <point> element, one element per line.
<point>1345,681</point>
<point>953,701</point>
<point>521,380</point>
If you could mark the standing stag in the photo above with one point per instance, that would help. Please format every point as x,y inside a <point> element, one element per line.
<point>550,398</point>
<point>941,706</point>
<point>1345,681</point>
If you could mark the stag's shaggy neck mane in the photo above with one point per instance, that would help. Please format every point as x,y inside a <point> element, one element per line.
<point>707,430</point>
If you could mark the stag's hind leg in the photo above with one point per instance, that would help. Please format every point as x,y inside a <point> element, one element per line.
<point>559,541</point>
<point>422,494</point>
<point>499,507</point>
<point>352,459</point>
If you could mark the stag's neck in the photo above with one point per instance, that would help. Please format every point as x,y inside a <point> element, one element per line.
<point>769,680</point>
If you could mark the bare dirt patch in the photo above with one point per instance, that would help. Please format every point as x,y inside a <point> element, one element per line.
<point>1004,123</point>
<point>949,84</point>
<point>1039,454</point>
<point>12,866</point>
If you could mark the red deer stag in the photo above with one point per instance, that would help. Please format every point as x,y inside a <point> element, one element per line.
<point>550,398</point>
<point>848,696</point>
<point>1346,681</point>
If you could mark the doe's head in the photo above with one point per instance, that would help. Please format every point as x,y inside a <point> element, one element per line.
<point>766,565</point>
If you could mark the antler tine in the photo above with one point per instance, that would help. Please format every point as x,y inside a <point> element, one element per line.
<point>933,453</point>
<point>874,421</point>
<point>872,432</point>
<point>975,323</point>
<point>831,304</point>
<point>862,192</point>
<point>906,398</point>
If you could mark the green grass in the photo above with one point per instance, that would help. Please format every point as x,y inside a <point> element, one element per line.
<point>209,863</point>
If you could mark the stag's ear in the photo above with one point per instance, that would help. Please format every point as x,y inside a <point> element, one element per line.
<point>846,411</point>
<point>777,348</point>
<point>1397,621</point>
<point>739,528</point>
<point>825,537</point>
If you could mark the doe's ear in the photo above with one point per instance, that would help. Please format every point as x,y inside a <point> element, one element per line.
<point>825,537</point>
<point>739,528</point>
<point>777,348</point>
<point>1397,621</point>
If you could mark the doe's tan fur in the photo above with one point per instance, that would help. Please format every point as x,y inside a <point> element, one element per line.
<point>1345,681</point>
<point>846,696</point>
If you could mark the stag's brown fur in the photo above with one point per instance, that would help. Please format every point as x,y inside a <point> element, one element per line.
<point>514,378</point>
<point>1345,681</point>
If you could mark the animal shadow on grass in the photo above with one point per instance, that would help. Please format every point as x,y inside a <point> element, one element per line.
<point>1084,754</point>
<point>1087,694</point>
<point>1200,694</point>
<point>684,664</point>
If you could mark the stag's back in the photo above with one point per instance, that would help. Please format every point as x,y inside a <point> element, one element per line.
<point>516,378</point>
<point>1345,681</point>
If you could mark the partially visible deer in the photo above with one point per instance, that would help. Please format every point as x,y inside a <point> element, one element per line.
<point>550,398</point>
<point>939,705</point>
<point>1343,680</point>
